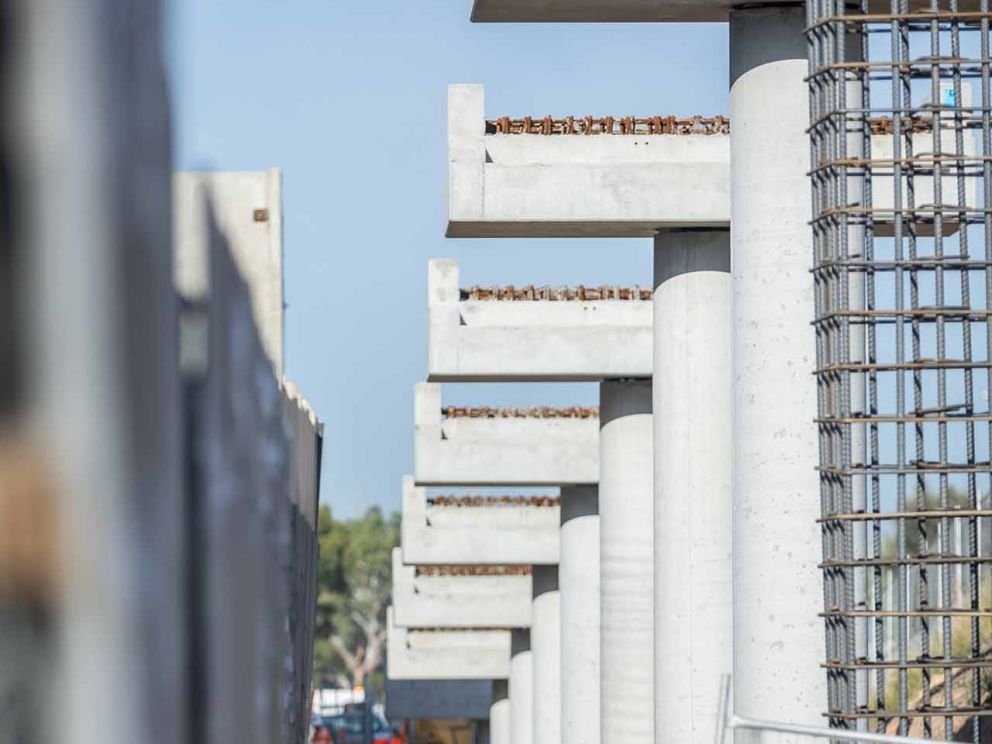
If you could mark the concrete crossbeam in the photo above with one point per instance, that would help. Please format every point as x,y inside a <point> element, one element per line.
<point>477,535</point>
<point>630,185</point>
<point>442,600</point>
<point>494,451</point>
<point>429,653</point>
<point>532,340</point>
<point>602,186</point>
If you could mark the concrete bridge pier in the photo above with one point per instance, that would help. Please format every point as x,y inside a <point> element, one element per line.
<point>521,688</point>
<point>545,639</point>
<point>578,579</point>
<point>778,634</point>
<point>693,533</point>
<point>499,713</point>
<point>626,497</point>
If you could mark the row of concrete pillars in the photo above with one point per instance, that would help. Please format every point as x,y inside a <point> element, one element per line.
<point>720,448</point>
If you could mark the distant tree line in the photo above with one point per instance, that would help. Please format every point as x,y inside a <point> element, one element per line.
<point>353,590</point>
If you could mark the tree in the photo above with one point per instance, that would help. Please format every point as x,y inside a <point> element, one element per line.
<point>353,589</point>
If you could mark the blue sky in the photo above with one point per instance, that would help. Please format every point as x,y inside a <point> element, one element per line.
<point>347,97</point>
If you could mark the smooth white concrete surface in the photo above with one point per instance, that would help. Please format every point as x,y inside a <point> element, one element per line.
<point>532,340</point>
<point>248,210</point>
<point>626,524</point>
<point>693,532</point>
<point>578,580</point>
<point>521,689</point>
<point>459,601</point>
<point>778,635</point>
<point>428,653</point>
<point>518,451</point>
<point>545,640</point>
<point>477,535</point>
<point>499,713</point>
<point>622,186</point>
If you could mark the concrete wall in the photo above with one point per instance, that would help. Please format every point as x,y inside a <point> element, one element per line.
<point>438,698</point>
<point>459,601</point>
<point>456,535</point>
<point>526,451</point>
<point>248,210</point>
<point>502,185</point>
<point>497,340</point>
<point>427,653</point>
<point>91,467</point>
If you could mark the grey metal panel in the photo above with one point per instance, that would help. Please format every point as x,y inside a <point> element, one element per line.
<point>438,698</point>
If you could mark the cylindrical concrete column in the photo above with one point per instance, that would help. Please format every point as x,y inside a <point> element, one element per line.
<point>778,636</point>
<point>626,541</point>
<point>521,688</point>
<point>693,532</point>
<point>499,713</point>
<point>578,581</point>
<point>545,643</point>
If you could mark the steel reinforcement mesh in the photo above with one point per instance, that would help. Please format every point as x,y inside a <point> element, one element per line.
<point>901,141</point>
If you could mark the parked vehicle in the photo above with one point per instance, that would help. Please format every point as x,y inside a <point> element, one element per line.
<point>349,727</point>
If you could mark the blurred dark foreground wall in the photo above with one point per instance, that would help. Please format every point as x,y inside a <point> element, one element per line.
<point>158,484</point>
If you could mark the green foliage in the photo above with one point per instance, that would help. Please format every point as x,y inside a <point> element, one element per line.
<point>353,588</point>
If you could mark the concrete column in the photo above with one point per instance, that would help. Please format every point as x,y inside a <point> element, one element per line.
<point>545,639</point>
<point>499,713</point>
<point>521,688</point>
<point>693,522</point>
<point>778,636</point>
<point>626,541</point>
<point>578,580</point>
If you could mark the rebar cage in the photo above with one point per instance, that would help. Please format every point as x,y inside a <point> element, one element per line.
<point>901,172</point>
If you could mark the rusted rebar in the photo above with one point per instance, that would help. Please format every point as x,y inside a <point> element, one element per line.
<point>540,412</point>
<point>580,293</point>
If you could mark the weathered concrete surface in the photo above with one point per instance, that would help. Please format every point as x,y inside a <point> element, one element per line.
<point>778,634</point>
<point>248,210</point>
<point>532,340</point>
<point>438,698</point>
<point>516,451</point>
<point>502,185</point>
<point>459,601</point>
<point>478,535</point>
<point>427,653</point>
<point>693,534</point>
<point>578,581</point>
